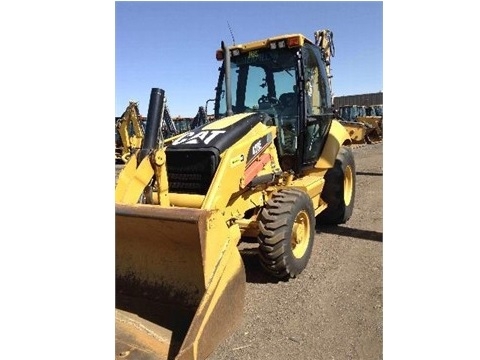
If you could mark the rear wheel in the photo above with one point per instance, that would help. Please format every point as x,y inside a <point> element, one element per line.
<point>339,189</point>
<point>286,233</point>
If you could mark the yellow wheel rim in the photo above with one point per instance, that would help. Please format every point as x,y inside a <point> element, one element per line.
<point>300,235</point>
<point>348,185</point>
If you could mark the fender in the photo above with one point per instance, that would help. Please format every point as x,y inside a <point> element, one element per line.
<point>337,137</point>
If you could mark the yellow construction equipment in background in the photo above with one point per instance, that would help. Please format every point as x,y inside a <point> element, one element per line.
<point>372,117</point>
<point>364,123</point>
<point>272,165</point>
<point>129,133</point>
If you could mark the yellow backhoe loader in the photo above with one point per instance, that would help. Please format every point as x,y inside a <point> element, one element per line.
<point>272,165</point>
<point>129,133</point>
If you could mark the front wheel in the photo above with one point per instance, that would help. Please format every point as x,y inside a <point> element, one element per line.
<point>339,189</point>
<point>286,233</point>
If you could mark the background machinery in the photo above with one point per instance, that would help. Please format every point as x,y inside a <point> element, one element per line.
<point>373,117</point>
<point>130,128</point>
<point>272,165</point>
<point>365,123</point>
<point>130,131</point>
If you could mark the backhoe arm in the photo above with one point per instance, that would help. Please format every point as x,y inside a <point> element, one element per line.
<point>130,117</point>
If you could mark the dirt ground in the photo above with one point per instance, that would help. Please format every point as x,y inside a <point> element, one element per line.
<point>334,309</point>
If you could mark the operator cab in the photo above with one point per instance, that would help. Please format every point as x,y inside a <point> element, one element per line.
<point>288,81</point>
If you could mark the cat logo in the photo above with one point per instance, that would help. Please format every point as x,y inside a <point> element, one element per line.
<point>202,137</point>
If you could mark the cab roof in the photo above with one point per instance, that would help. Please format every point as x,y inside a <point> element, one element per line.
<point>257,44</point>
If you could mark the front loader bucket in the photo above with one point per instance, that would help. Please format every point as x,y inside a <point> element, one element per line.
<point>180,282</point>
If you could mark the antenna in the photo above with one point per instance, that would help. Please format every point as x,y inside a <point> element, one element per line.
<point>231,32</point>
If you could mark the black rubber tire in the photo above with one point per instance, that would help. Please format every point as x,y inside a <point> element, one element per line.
<point>287,230</point>
<point>339,189</point>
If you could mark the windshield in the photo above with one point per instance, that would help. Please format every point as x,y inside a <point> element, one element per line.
<point>258,79</point>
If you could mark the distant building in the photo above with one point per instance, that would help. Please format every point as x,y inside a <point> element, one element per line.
<point>361,99</point>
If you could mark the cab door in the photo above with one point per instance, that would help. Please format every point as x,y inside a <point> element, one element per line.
<point>317,105</point>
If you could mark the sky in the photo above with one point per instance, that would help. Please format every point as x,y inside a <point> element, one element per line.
<point>171,45</point>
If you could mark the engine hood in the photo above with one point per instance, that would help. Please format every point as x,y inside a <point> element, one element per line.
<point>220,134</point>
